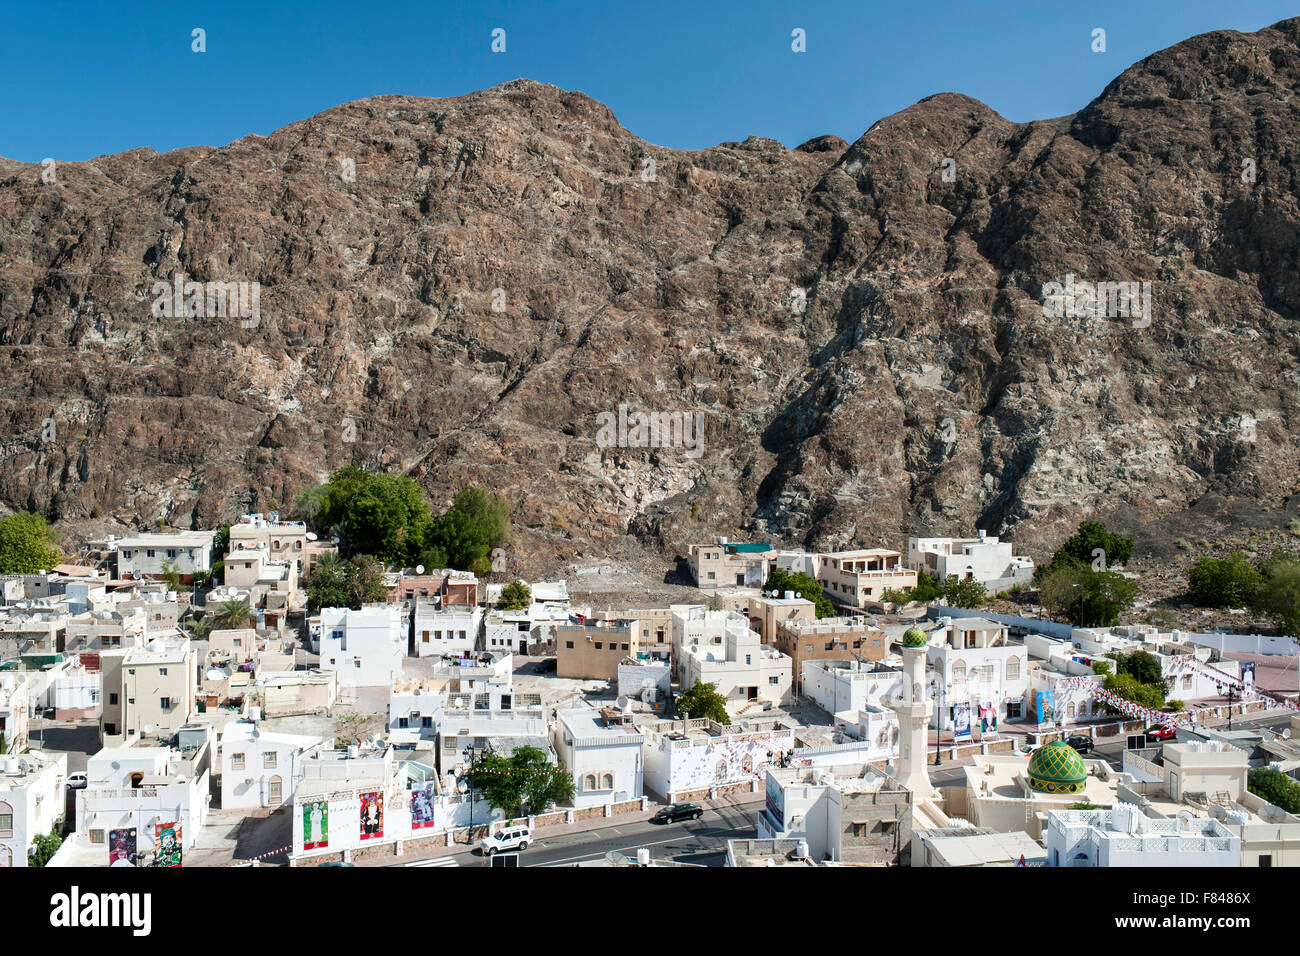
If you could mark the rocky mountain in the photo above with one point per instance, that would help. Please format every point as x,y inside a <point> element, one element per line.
<point>457,289</point>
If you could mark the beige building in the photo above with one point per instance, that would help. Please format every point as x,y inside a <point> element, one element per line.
<point>829,639</point>
<point>766,614</point>
<point>152,686</point>
<point>859,578</point>
<point>744,671</point>
<point>283,540</point>
<point>593,651</point>
<point>731,565</point>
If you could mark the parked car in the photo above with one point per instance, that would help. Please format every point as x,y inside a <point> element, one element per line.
<point>546,666</point>
<point>1080,743</point>
<point>77,781</point>
<point>1162,732</point>
<point>509,838</point>
<point>337,863</point>
<point>678,811</point>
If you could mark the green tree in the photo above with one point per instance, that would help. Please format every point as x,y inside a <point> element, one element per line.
<point>963,592</point>
<point>365,581</point>
<point>1101,667</point>
<point>702,701</point>
<point>221,542</point>
<point>27,544</point>
<point>927,589</point>
<point>234,613</point>
<point>1144,667</point>
<point>515,596</point>
<point>1088,598</point>
<point>1130,688</point>
<point>1224,582</point>
<point>1279,591</point>
<point>804,585</point>
<point>200,628</point>
<point>327,585</point>
<point>1080,550</point>
<point>1275,787</point>
<point>44,847</point>
<point>171,575</point>
<point>526,782</point>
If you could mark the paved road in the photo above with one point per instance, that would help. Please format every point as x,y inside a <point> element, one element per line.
<point>702,841</point>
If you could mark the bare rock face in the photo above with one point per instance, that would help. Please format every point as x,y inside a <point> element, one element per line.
<point>457,289</point>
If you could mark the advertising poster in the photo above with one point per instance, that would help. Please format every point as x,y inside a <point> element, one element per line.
<point>121,847</point>
<point>315,824</point>
<point>372,815</point>
<point>167,844</point>
<point>961,721</point>
<point>1044,700</point>
<point>422,804</point>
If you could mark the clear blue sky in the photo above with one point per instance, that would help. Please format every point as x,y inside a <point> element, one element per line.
<point>80,79</point>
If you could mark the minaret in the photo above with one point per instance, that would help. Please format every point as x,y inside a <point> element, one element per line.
<point>913,708</point>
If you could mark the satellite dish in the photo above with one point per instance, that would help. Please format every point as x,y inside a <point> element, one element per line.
<point>148,729</point>
<point>419,569</point>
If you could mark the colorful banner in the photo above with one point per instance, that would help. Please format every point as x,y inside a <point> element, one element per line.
<point>121,847</point>
<point>1248,673</point>
<point>315,825</point>
<point>423,801</point>
<point>167,844</point>
<point>372,815</point>
<point>961,721</point>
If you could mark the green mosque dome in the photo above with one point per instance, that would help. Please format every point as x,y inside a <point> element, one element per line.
<point>1057,768</point>
<point>914,637</point>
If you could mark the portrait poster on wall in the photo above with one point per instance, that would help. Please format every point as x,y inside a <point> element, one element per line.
<point>121,847</point>
<point>315,824</point>
<point>422,804</point>
<point>167,844</point>
<point>372,815</point>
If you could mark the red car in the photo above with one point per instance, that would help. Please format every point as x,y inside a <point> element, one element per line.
<point>1162,732</point>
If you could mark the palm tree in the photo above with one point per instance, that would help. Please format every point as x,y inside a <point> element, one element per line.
<point>234,613</point>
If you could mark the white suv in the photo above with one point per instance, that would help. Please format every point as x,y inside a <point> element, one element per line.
<point>510,838</point>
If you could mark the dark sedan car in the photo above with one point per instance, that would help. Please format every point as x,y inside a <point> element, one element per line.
<point>678,811</point>
<point>1080,743</point>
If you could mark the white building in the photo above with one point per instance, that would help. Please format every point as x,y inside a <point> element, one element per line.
<point>31,802</point>
<point>415,707</point>
<point>684,758</point>
<point>143,555</point>
<point>446,631</point>
<point>851,812</point>
<point>718,647</point>
<point>850,686</point>
<point>493,719</point>
<point>140,797</point>
<point>983,558</point>
<point>364,647</point>
<point>1125,836</point>
<point>975,671</point>
<point>259,767</point>
<point>602,749</point>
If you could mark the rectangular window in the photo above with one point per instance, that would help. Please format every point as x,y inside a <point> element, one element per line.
<point>162,672</point>
<point>568,645</point>
<point>599,646</point>
<point>97,837</point>
<point>270,760</point>
<point>165,703</point>
<point>236,761</point>
<point>775,681</point>
<point>112,700</point>
<point>426,721</point>
<point>401,723</point>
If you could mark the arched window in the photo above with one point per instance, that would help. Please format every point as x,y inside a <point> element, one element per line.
<point>958,671</point>
<point>721,771</point>
<point>275,791</point>
<point>1013,668</point>
<point>6,857</point>
<point>607,781</point>
<point>589,782</point>
<point>747,763</point>
<point>6,820</point>
<point>1069,710</point>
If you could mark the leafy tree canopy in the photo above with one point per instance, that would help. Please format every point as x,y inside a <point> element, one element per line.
<point>1229,581</point>
<point>702,701</point>
<point>804,585</point>
<point>515,596</point>
<point>1088,598</point>
<point>1275,787</point>
<point>525,782</point>
<point>1081,550</point>
<point>1130,688</point>
<point>1279,590</point>
<point>27,544</point>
